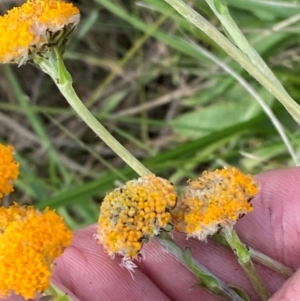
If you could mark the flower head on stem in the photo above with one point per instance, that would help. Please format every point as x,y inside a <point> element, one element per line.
<point>34,27</point>
<point>30,240</point>
<point>132,214</point>
<point>9,169</point>
<point>215,200</point>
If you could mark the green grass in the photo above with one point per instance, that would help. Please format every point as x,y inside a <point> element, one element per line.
<point>141,69</point>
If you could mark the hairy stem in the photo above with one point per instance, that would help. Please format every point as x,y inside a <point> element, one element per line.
<point>205,278</point>
<point>55,67</point>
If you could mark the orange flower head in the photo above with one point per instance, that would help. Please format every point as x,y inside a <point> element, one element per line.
<point>34,27</point>
<point>132,214</point>
<point>9,169</point>
<point>29,242</point>
<point>215,200</point>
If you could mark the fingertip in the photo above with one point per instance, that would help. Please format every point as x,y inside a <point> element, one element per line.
<point>290,291</point>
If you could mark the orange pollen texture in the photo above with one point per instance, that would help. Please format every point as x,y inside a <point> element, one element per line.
<point>29,242</point>
<point>216,199</point>
<point>132,214</point>
<point>9,169</point>
<point>24,28</point>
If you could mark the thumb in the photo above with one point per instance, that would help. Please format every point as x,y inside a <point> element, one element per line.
<point>290,291</point>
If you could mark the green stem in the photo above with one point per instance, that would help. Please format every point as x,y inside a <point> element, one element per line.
<point>271,263</point>
<point>55,67</point>
<point>221,11</point>
<point>56,294</point>
<point>201,23</point>
<point>244,259</point>
<point>206,279</point>
<point>261,258</point>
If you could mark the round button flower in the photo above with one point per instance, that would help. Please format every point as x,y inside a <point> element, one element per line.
<point>34,27</point>
<point>29,242</point>
<point>9,170</point>
<point>215,200</point>
<point>132,214</point>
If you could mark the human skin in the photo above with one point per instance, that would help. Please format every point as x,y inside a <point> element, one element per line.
<point>86,273</point>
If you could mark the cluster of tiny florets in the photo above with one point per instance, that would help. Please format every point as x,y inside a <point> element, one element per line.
<point>134,213</point>
<point>215,200</point>
<point>9,170</point>
<point>29,242</point>
<point>24,29</point>
<point>29,239</point>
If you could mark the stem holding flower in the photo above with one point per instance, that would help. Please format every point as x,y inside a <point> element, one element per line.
<point>55,67</point>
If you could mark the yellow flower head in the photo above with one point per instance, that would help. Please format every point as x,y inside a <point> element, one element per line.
<point>215,200</point>
<point>9,169</point>
<point>29,242</point>
<point>132,214</point>
<point>34,27</point>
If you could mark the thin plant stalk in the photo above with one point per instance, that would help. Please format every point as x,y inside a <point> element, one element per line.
<point>54,66</point>
<point>258,99</point>
<point>201,23</point>
<point>221,11</point>
<point>244,259</point>
<point>55,294</point>
<point>271,263</point>
<point>261,258</point>
<point>206,279</point>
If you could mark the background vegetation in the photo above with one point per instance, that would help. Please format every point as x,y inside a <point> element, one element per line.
<point>142,71</point>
